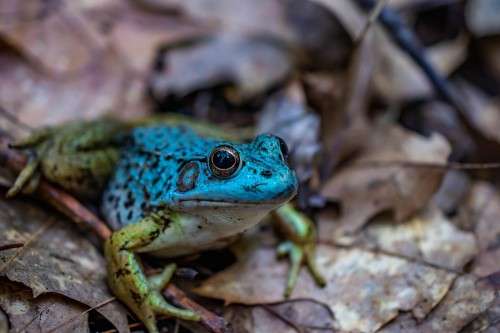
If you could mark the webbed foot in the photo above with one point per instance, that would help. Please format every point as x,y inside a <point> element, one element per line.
<point>154,302</point>
<point>299,245</point>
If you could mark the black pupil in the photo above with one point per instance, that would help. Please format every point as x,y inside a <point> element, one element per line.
<point>223,159</point>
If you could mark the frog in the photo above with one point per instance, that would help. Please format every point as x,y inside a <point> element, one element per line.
<point>170,189</point>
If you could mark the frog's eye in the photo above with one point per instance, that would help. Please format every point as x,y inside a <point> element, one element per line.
<point>283,149</point>
<point>224,161</point>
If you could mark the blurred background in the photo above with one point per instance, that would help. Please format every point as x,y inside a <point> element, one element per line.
<point>391,111</point>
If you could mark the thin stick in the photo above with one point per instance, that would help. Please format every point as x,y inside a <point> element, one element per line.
<point>427,165</point>
<point>11,246</point>
<point>32,238</point>
<point>408,42</point>
<point>374,14</point>
<point>13,119</point>
<point>107,301</point>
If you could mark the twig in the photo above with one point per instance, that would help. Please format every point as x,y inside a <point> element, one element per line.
<point>407,41</point>
<point>11,246</point>
<point>79,214</point>
<point>13,119</point>
<point>61,200</point>
<point>107,301</point>
<point>374,14</point>
<point>427,165</point>
<point>32,238</point>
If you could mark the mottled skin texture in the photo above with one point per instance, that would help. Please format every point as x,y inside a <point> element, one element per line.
<point>162,197</point>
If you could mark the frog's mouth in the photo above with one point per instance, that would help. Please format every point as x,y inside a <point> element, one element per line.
<point>193,203</point>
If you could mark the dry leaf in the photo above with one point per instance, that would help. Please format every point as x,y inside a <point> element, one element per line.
<point>490,49</point>
<point>365,191</point>
<point>482,209</point>
<point>286,317</point>
<point>452,192</point>
<point>397,78</point>
<point>38,100</point>
<point>59,261</point>
<point>365,290</point>
<point>305,27</point>
<point>4,322</point>
<point>429,236</point>
<point>42,314</point>
<point>482,17</point>
<point>483,113</point>
<point>54,37</point>
<point>84,59</point>
<point>468,298</point>
<point>437,116</point>
<point>287,116</point>
<point>252,64</point>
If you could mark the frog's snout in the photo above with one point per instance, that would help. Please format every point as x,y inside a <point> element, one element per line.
<point>287,188</point>
<point>280,181</point>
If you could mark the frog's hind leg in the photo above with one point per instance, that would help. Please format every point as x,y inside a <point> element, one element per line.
<point>127,279</point>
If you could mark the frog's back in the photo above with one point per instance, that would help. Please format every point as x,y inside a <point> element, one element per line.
<point>147,171</point>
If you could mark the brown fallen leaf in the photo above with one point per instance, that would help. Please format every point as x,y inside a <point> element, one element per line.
<point>305,27</point>
<point>345,130</point>
<point>365,290</point>
<point>482,208</point>
<point>57,260</point>
<point>482,17</point>
<point>429,236</point>
<point>286,115</point>
<point>41,314</point>
<point>4,322</point>
<point>452,192</point>
<point>397,78</point>
<point>65,37</point>
<point>136,33</point>
<point>437,116</point>
<point>490,51</point>
<point>81,60</point>
<point>39,100</point>
<point>288,317</point>
<point>484,112</point>
<point>53,37</point>
<point>252,64</point>
<point>468,298</point>
<point>365,191</point>
<point>489,320</point>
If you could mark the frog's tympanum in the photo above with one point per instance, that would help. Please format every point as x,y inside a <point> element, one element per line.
<point>169,190</point>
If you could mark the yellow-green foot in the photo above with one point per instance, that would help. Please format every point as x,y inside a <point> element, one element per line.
<point>299,246</point>
<point>155,303</point>
<point>299,255</point>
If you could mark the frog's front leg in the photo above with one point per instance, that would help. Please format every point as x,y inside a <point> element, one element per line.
<point>127,279</point>
<point>77,156</point>
<point>299,246</point>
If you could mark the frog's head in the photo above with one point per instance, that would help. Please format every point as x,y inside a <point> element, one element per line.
<point>244,181</point>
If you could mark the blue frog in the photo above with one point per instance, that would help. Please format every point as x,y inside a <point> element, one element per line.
<point>170,189</point>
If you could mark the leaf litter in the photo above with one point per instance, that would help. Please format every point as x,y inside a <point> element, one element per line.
<point>407,244</point>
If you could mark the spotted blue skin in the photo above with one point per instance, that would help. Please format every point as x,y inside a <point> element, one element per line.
<point>165,167</point>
